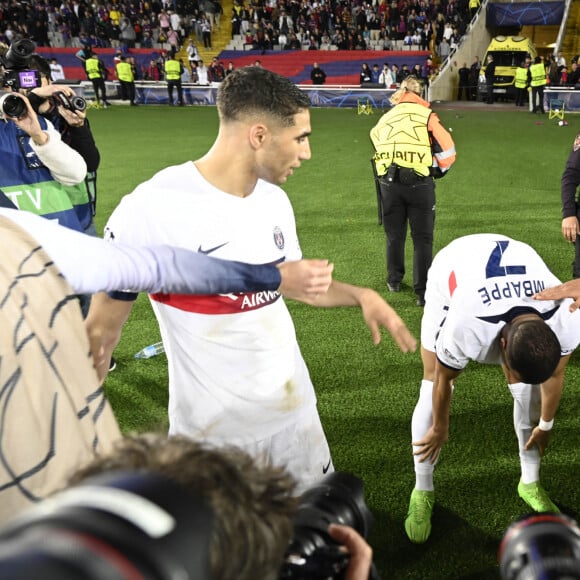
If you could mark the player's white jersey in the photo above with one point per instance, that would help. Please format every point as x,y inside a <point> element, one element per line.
<point>475,286</point>
<point>235,369</point>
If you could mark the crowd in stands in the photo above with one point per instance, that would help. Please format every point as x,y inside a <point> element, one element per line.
<point>434,25</point>
<point>351,25</point>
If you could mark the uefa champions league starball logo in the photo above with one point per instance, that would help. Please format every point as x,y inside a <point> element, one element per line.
<point>278,238</point>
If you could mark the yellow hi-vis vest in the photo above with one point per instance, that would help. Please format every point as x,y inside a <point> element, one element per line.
<point>401,137</point>
<point>125,72</point>
<point>93,68</point>
<point>521,77</point>
<point>538,72</point>
<point>172,70</point>
<point>473,4</point>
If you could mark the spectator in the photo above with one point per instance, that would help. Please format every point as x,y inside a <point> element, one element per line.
<point>386,77</point>
<point>375,73</point>
<point>230,69</point>
<point>464,87</point>
<point>317,75</point>
<point>56,71</point>
<point>365,74</point>
<point>490,79</point>
<point>202,74</point>
<point>215,71</point>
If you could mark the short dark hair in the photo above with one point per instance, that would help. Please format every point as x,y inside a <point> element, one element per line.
<point>253,504</point>
<point>533,350</point>
<point>39,63</point>
<point>253,90</point>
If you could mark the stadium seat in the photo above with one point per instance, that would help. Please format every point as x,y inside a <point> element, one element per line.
<point>557,107</point>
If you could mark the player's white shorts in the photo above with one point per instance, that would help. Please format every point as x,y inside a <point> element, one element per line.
<point>301,448</point>
<point>437,299</point>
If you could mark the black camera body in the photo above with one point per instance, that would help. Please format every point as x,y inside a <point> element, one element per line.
<point>16,74</point>
<point>313,554</point>
<point>74,103</point>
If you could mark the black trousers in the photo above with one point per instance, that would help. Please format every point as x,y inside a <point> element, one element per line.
<point>521,97</point>
<point>538,98</point>
<point>177,85</point>
<point>99,87</point>
<point>413,205</point>
<point>127,91</point>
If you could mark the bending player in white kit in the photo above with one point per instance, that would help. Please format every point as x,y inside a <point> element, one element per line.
<point>480,306</point>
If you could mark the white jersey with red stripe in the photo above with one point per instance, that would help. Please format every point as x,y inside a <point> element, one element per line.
<point>235,368</point>
<point>476,285</point>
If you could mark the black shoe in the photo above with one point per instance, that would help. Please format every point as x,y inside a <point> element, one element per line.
<point>394,287</point>
<point>420,301</point>
<point>112,364</point>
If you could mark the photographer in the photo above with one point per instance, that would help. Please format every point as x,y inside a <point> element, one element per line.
<point>37,166</point>
<point>67,112</point>
<point>252,504</point>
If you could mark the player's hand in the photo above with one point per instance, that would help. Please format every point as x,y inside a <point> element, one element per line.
<point>430,446</point>
<point>539,438</point>
<point>570,228</point>
<point>361,554</point>
<point>377,313</point>
<point>305,278</point>
<point>569,289</point>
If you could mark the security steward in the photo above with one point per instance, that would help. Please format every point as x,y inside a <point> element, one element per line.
<point>173,72</point>
<point>521,84</point>
<point>96,72</point>
<point>126,80</point>
<point>412,149</point>
<point>538,82</point>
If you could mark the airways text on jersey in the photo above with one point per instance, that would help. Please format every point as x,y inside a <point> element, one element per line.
<point>219,303</point>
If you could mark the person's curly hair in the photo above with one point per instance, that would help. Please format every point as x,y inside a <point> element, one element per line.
<point>252,504</point>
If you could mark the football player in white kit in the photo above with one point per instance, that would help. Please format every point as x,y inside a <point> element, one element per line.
<point>480,306</point>
<point>236,374</point>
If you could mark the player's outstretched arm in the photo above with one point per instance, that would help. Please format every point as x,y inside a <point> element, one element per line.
<point>361,554</point>
<point>305,279</point>
<point>376,312</point>
<point>569,289</point>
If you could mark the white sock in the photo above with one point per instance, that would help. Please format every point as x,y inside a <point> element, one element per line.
<point>527,409</point>
<point>420,424</point>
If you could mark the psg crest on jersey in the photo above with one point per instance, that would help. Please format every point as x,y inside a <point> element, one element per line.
<point>278,238</point>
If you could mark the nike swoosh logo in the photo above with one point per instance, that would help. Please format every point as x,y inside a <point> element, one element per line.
<point>210,250</point>
<point>326,468</point>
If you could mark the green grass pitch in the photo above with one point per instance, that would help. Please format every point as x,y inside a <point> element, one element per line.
<point>506,179</point>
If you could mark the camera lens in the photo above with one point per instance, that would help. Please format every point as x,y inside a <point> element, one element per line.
<point>12,105</point>
<point>543,545</point>
<point>78,104</point>
<point>337,499</point>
